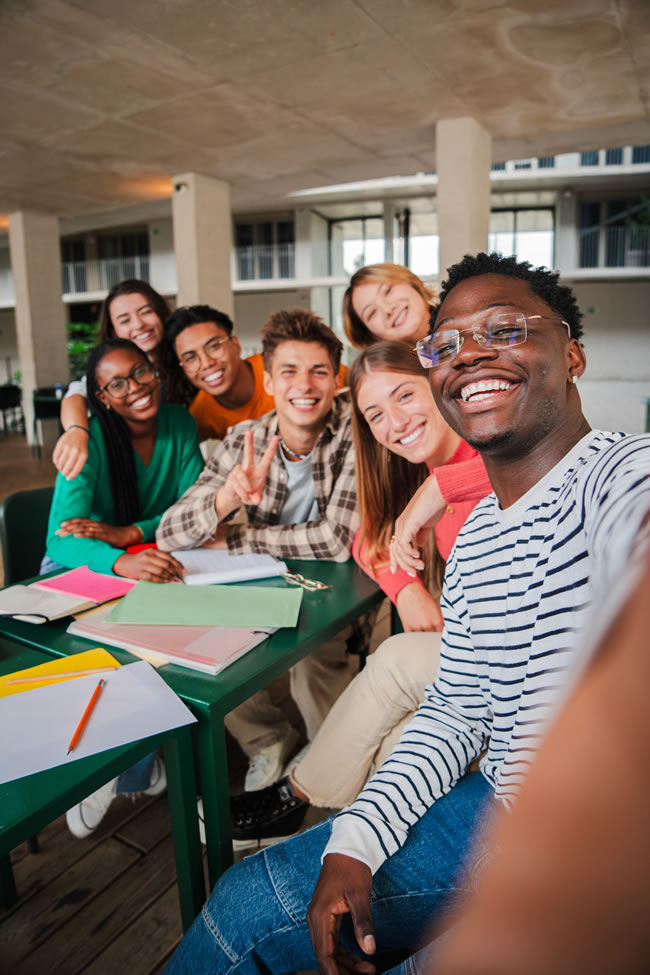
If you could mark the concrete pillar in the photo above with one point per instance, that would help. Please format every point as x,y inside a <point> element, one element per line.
<point>566,232</point>
<point>40,314</point>
<point>203,241</point>
<point>463,160</point>
<point>389,231</point>
<point>303,245</point>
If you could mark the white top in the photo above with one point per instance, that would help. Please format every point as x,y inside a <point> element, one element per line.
<point>78,387</point>
<point>519,584</point>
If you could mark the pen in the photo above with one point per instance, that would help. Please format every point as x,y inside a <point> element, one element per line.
<point>84,717</point>
<point>35,678</point>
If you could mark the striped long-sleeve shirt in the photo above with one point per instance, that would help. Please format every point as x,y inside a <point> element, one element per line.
<point>518,587</point>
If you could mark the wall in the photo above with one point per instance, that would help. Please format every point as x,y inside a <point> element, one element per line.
<point>161,250</point>
<point>617,342</point>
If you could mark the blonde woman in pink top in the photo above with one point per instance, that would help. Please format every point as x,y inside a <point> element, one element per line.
<point>400,441</point>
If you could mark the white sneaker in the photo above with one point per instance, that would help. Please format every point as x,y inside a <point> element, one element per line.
<point>267,766</point>
<point>296,760</point>
<point>157,779</point>
<point>84,818</point>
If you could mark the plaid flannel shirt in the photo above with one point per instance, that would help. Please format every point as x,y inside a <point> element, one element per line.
<point>192,521</point>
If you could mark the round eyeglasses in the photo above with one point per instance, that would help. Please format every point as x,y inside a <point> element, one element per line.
<point>141,375</point>
<point>501,331</point>
<point>191,361</point>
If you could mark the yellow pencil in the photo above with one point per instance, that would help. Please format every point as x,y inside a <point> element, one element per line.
<point>35,678</point>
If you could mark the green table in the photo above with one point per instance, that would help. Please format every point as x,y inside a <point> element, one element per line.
<point>323,614</point>
<point>30,803</point>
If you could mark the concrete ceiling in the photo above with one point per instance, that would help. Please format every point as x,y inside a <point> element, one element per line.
<point>103,100</point>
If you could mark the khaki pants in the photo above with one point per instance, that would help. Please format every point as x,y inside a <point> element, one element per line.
<point>368,719</point>
<point>315,683</point>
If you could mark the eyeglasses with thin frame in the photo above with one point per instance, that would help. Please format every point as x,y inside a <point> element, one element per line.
<point>500,331</point>
<point>141,375</point>
<point>191,361</point>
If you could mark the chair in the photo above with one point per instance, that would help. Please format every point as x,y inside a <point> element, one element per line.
<point>11,406</point>
<point>47,406</point>
<point>23,530</point>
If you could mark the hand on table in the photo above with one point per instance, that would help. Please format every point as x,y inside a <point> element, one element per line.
<point>151,565</point>
<point>343,887</point>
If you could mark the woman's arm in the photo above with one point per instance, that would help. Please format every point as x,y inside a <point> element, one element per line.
<point>71,449</point>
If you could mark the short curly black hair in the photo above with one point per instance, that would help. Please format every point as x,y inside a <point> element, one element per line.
<point>544,283</point>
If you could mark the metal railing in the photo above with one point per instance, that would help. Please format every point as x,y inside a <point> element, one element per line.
<point>262,262</point>
<point>615,247</point>
<point>82,276</point>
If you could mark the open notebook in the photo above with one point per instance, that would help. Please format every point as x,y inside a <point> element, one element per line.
<point>206,566</point>
<point>205,648</point>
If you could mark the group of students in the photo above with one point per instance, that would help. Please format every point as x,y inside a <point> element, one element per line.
<point>497,473</point>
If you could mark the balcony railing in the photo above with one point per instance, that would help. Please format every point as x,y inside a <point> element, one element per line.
<point>615,247</point>
<point>265,261</point>
<point>83,276</point>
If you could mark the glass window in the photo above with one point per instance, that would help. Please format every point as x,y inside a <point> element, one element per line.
<point>613,157</point>
<point>546,162</point>
<point>527,234</point>
<point>641,154</point>
<point>589,158</point>
<point>498,166</point>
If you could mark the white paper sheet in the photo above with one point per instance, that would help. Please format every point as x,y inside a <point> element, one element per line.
<point>210,566</point>
<point>36,726</point>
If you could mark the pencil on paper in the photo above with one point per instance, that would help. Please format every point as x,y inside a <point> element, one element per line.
<point>36,678</point>
<point>85,716</point>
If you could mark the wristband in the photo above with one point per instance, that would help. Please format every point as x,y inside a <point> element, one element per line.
<point>77,426</point>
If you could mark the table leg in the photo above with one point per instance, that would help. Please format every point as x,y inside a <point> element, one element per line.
<point>8,894</point>
<point>213,763</point>
<point>181,792</point>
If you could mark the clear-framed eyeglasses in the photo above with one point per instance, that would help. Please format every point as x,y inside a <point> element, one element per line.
<point>142,375</point>
<point>191,361</point>
<point>495,331</point>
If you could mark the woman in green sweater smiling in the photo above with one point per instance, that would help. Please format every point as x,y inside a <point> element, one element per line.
<point>141,458</point>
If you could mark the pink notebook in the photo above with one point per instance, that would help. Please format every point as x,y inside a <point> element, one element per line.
<point>86,584</point>
<point>205,648</point>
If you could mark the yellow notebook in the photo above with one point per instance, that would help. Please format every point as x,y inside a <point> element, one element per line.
<point>55,671</point>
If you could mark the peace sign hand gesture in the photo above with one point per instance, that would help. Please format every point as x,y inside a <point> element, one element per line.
<point>245,483</point>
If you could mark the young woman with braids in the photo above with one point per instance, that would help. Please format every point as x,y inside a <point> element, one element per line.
<point>400,438</point>
<point>132,310</point>
<point>141,458</point>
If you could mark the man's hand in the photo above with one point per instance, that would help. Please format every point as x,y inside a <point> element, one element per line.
<point>344,886</point>
<point>418,610</point>
<point>245,483</point>
<point>414,525</point>
<point>150,565</point>
<point>71,452</point>
<point>119,536</point>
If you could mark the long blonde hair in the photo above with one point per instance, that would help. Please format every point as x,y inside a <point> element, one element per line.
<point>359,334</point>
<point>386,482</point>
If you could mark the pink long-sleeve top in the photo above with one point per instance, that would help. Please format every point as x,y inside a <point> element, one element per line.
<point>463,481</point>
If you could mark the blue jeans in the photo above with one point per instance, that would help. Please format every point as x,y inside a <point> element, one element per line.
<point>255,920</point>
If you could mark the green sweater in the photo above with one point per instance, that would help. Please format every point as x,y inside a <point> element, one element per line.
<point>175,465</point>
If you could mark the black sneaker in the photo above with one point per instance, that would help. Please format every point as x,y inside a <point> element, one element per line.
<point>266,816</point>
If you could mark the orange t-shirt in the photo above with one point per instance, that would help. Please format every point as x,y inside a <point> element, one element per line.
<point>214,420</point>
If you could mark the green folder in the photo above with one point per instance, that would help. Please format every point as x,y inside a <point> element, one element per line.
<point>172,604</point>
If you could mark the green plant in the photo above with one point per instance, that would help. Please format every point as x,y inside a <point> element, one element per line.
<point>82,337</point>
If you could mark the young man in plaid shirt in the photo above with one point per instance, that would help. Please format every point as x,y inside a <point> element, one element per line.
<point>293,471</point>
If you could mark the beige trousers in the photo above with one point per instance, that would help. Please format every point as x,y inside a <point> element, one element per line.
<point>315,683</point>
<point>367,720</point>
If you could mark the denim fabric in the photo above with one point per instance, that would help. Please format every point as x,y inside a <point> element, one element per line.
<point>137,778</point>
<point>255,920</point>
<point>49,565</point>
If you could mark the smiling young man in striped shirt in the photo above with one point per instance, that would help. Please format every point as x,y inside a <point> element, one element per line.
<point>565,516</point>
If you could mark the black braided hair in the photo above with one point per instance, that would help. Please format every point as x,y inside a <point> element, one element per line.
<point>544,283</point>
<point>117,439</point>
